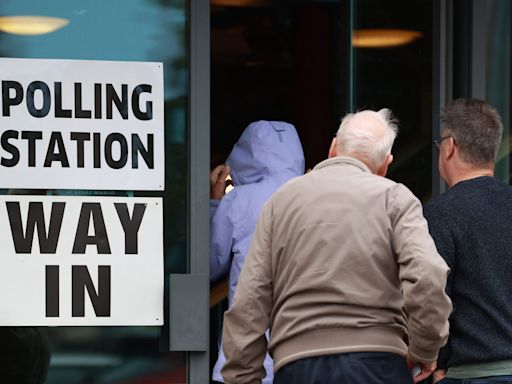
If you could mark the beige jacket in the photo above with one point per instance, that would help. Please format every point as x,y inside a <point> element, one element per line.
<point>338,258</point>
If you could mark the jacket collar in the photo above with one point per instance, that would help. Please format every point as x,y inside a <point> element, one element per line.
<point>343,160</point>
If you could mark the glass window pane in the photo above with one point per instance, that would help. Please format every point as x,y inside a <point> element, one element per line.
<point>276,60</point>
<point>131,30</point>
<point>392,68</point>
<point>279,60</point>
<point>499,90</point>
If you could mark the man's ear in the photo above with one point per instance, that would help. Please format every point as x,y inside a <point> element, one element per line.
<point>449,148</point>
<point>332,149</point>
<point>383,170</point>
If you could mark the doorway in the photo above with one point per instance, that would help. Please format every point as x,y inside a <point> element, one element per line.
<point>311,62</point>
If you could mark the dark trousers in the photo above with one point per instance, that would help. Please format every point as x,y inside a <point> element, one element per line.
<point>349,368</point>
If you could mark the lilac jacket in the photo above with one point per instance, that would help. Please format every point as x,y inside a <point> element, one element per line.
<point>267,155</point>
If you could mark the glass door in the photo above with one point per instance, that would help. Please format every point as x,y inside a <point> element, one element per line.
<point>311,62</point>
<point>392,68</point>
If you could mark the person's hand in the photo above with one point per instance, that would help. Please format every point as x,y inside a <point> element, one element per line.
<point>439,375</point>
<point>218,181</point>
<point>426,369</point>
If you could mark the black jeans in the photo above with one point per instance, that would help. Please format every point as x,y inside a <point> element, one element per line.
<point>349,368</point>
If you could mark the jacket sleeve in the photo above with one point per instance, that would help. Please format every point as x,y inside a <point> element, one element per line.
<point>213,207</point>
<point>243,338</point>
<point>423,274</point>
<point>221,237</point>
<point>446,248</point>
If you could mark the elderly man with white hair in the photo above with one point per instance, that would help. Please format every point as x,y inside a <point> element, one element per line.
<point>343,272</point>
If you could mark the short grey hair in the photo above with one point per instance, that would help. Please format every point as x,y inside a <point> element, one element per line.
<point>368,136</point>
<point>476,127</point>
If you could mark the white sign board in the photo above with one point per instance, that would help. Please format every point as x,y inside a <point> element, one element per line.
<point>72,124</point>
<point>81,261</point>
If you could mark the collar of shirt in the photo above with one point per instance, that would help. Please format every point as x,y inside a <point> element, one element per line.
<point>343,160</point>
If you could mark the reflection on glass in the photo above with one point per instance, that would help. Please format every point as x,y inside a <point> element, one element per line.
<point>400,78</point>
<point>121,355</point>
<point>499,90</point>
<point>383,38</point>
<point>31,25</point>
<point>136,30</point>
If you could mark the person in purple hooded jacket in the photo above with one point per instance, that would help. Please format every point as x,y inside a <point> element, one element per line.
<point>267,155</point>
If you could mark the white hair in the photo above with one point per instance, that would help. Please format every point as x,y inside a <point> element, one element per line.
<point>367,136</point>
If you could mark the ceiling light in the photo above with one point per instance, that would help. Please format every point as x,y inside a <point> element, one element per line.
<point>383,38</point>
<point>31,25</point>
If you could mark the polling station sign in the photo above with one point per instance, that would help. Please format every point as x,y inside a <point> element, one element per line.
<point>76,124</point>
<point>70,260</point>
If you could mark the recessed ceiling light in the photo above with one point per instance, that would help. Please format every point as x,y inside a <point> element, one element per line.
<point>383,38</point>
